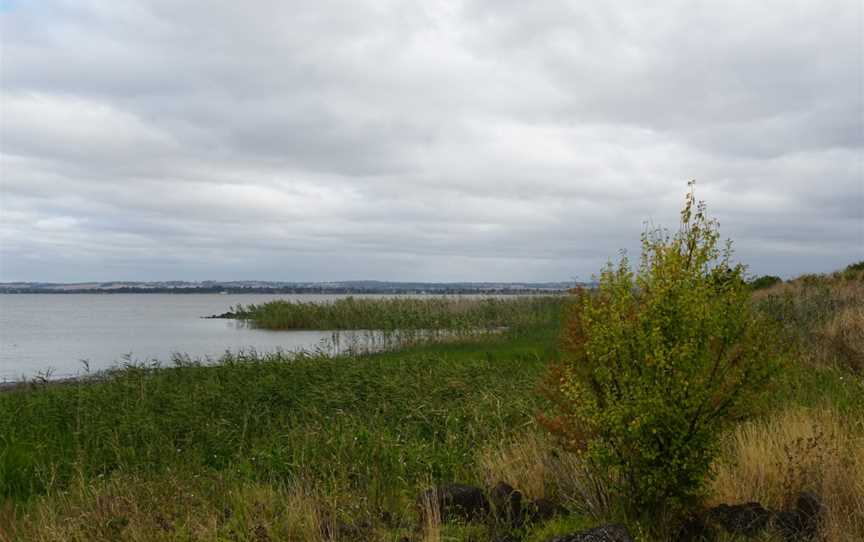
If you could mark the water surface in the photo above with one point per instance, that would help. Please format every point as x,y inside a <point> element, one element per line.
<point>42,333</point>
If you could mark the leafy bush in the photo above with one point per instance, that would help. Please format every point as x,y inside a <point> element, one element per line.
<point>765,281</point>
<point>858,266</point>
<point>661,359</point>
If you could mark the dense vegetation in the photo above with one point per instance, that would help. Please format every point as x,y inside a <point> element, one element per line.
<point>765,281</point>
<point>821,316</point>
<point>315,448</point>
<point>660,361</point>
<point>380,423</point>
<point>457,314</point>
<point>359,434</point>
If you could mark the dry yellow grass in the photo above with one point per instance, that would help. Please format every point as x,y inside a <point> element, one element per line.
<point>431,518</point>
<point>533,465</point>
<point>522,462</point>
<point>771,461</point>
<point>823,315</point>
<point>163,509</point>
<point>844,335</point>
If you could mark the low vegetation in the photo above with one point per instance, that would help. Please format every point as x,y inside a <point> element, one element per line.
<point>378,423</point>
<point>316,448</point>
<point>822,316</point>
<point>313,447</point>
<point>765,281</point>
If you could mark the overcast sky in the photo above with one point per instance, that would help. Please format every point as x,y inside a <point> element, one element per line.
<point>395,140</point>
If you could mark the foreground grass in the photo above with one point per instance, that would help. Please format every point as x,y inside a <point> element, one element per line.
<point>266,448</point>
<point>358,437</point>
<point>378,422</point>
<point>816,449</point>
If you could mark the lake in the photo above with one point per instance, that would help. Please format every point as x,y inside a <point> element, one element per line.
<point>54,332</point>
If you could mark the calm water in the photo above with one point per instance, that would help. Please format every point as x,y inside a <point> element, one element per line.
<point>42,332</point>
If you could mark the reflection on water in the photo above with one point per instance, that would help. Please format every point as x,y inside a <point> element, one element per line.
<point>63,334</point>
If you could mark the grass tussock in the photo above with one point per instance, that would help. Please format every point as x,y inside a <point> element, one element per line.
<point>523,462</point>
<point>430,513</point>
<point>455,313</point>
<point>843,336</point>
<point>822,316</point>
<point>772,460</point>
<point>533,463</point>
<point>169,507</point>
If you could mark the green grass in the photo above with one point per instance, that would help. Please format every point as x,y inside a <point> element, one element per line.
<point>218,452</point>
<point>380,422</point>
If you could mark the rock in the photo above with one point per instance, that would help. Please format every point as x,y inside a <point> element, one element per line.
<point>224,315</point>
<point>802,523</point>
<point>543,510</point>
<point>810,511</point>
<point>332,528</point>
<point>606,533</point>
<point>741,519</point>
<point>455,501</point>
<point>507,503</point>
<point>787,524</point>
<point>695,528</point>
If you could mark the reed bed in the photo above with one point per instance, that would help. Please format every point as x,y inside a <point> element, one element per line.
<point>452,313</point>
<point>378,422</point>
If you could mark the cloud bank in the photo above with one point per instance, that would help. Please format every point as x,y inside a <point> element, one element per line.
<point>473,140</point>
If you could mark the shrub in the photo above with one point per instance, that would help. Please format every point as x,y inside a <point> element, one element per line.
<point>765,281</point>
<point>661,360</point>
<point>858,266</point>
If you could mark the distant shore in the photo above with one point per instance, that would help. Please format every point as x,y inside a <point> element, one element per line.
<point>290,290</point>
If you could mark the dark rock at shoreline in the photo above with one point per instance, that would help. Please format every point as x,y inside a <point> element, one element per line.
<point>225,315</point>
<point>749,519</point>
<point>606,533</point>
<point>741,519</point>
<point>507,503</point>
<point>787,525</point>
<point>810,511</point>
<point>802,523</point>
<point>543,510</point>
<point>454,502</point>
<point>695,528</point>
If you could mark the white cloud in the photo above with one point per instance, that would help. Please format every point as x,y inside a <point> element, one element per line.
<point>439,141</point>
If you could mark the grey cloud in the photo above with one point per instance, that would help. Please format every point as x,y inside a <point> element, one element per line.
<point>438,141</point>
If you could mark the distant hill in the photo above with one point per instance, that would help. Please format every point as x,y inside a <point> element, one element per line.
<point>258,286</point>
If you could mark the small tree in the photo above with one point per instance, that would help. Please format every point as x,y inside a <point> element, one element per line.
<point>659,361</point>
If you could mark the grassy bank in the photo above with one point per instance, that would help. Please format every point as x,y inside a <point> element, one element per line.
<point>822,316</point>
<point>314,448</point>
<point>356,436</point>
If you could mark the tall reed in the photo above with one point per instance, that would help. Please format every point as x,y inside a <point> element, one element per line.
<point>453,313</point>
